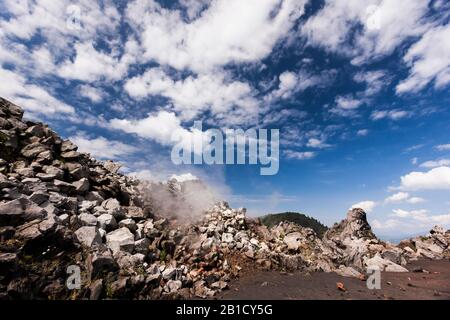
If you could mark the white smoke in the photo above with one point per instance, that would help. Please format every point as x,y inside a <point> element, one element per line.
<point>185,200</point>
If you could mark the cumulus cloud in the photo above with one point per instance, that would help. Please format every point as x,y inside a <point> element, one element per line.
<point>346,106</point>
<point>362,132</point>
<point>389,114</point>
<point>91,65</point>
<point>443,147</point>
<point>164,128</point>
<point>347,103</point>
<point>403,197</point>
<point>92,93</point>
<point>51,19</point>
<point>375,81</point>
<point>383,25</point>
<point>228,31</point>
<point>435,179</point>
<point>317,143</point>
<point>306,155</point>
<point>436,163</point>
<point>102,148</point>
<point>291,83</point>
<point>184,177</point>
<point>429,60</point>
<point>422,215</point>
<point>416,214</point>
<point>158,126</point>
<point>367,206</point>
<point>387,224</point>
<point>31,97</point>
<point>195,94</point>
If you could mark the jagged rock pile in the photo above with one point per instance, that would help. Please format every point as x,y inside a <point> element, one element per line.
<point>354,247</point>
<point>62,208</point>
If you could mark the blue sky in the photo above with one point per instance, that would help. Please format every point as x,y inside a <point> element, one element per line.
<point>358,89</point>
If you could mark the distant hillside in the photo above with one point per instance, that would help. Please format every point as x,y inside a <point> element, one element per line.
<point>271,220</point>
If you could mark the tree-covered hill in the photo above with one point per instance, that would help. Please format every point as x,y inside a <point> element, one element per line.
<point>271,220</point>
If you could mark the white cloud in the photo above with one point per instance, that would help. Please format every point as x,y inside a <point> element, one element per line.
<point>429,60</point>
<point>162,127</point>
<point>288,82</point>
<point>403,197</point>
<point>415,200</point>
<point>348,103</point>
<point>101,147</point>
<point>300,155</point>
<point>92,93</point>
<point>158,127</point>
<point>412,221</point>
<point>31,97</point>
<point>317,143</point>
<point>385,25</point>
<point>224,97</point>
<point>375,81</point>
<point>398,197</point>
<point>29,17</point>
<point>291,83</point>
<point>435,179</point>
<point>184,177</point>
<point>211,40</point>
<point>367,206</point>
<point>436,163</point>
<point>50,21</point>
<point>391,114</point>
<point>443,147</point>
<point>422,215</point>
<point>346,106</point>
<point>362,132</point>
<point>91,65</point>
<point>387,224</point>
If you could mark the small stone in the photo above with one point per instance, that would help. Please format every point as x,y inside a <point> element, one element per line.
<point>64,219</point>
<point>120,240</point>
<point>107,222</point>
<point>128,223</point>
<point>64,187</point>
<point>173,286</point>
<point>135,213</point>
<point>33,149</point>
<point>70,155</point>
<point>88,236</point>
<point>17,211</point>
<point>81,186</point>
<point>169,273</point>
<point>87,219</point>
<point>220,285</point>
<point>227,237</point>
<point>142,245</point>
<point>39,197</point>
<point>100,262</point>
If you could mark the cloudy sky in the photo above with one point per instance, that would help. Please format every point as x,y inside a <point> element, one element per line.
<point>359,91</point>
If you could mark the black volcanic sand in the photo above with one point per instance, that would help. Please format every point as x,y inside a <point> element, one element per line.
<point>322,286</point>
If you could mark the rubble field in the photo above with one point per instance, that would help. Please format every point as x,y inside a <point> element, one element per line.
<point>60,207</point>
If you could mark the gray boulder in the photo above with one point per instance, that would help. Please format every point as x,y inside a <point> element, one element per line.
<point>88,236</point>
<point>120,240</point>
<point>107,222</point>
<point>18,211</point>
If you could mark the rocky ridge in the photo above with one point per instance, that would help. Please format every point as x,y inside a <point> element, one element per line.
<point>61,208</point>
